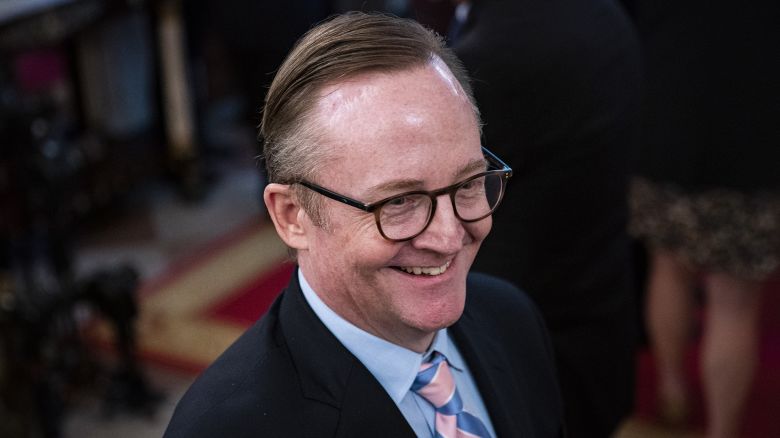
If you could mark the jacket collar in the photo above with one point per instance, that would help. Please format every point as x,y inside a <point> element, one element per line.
<point>497,382</point>
<point>330,374</point>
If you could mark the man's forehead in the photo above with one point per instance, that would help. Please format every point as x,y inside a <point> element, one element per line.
<point>402,124</point>
<point>445,74</point>
<point>346,94</point>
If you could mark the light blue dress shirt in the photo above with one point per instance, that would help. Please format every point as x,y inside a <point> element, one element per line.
<point>395,367</point>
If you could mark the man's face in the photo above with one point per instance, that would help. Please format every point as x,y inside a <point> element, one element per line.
<point>410,130</point>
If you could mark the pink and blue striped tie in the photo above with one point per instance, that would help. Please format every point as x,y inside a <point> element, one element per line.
<point>435,384</point>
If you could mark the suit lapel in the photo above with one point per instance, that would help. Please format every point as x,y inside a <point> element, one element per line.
<point>368,410</point>
<point>330,374</point>
<point>502,389</point>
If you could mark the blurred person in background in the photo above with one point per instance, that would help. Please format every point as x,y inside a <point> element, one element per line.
<point>558,87</point>
<point>245,41</point>
<point>706,198</point>
<point>238,45</point>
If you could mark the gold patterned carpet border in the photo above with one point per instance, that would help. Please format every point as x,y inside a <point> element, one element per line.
<point>173,326</point>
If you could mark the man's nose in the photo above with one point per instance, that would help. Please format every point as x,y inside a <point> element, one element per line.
<point>445,233</point>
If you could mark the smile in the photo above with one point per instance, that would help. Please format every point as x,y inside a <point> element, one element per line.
<point>417,270</point>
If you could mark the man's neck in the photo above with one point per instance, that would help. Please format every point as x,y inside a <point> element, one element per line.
<point>395,332</point>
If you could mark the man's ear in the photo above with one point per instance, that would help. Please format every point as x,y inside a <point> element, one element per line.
<point>286,214</point>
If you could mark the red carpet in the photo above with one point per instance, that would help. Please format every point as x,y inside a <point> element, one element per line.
<point>192,312</point>
<point>251,300</point>
<point>761,416</point>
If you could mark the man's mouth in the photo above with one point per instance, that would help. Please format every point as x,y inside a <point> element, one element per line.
<point>427,270</point>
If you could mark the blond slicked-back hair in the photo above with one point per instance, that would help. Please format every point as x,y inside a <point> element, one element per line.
<point>337,49</point>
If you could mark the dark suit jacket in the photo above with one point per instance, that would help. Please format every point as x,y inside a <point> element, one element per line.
<point>288,376</point>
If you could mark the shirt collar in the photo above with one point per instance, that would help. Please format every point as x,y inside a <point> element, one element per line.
<point>395,367</point>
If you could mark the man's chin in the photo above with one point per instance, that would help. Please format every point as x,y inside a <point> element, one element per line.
<point>433,320</point>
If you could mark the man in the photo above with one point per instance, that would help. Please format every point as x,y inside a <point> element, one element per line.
<point>380,187</point>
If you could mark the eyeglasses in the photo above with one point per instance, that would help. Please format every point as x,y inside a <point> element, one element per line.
<point>405,216</point>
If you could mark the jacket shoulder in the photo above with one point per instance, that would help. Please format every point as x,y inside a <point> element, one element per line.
<point>487,290</point>
<point>250,390</point>
<point>497,306</point>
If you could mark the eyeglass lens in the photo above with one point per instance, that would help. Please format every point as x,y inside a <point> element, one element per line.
<point>407,215</point>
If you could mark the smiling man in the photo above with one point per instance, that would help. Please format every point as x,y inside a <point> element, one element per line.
<point>382,190</point>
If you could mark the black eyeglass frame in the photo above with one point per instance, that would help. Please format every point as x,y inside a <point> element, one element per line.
<point>375,207</point>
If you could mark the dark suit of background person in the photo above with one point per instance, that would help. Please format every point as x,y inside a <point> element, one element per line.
<point>557,85</point>
<point>255,36</point>
<point>289,370</point>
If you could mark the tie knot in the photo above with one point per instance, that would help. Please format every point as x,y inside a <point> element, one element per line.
<point>435,383</point>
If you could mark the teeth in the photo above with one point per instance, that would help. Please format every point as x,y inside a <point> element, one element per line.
<point>417,270</point>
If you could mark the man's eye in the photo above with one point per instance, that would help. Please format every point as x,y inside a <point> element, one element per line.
<point>400,201</point>
<point>468,185</point>
<point>473,185</point>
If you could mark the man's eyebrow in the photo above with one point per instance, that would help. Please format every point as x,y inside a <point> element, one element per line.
<point>405,185</point>
<point>480,165</point>
<point>394,186</point>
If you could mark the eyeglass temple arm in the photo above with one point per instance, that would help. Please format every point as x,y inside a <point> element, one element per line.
<point>493,157</point>
<point>335,196</point>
